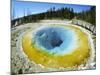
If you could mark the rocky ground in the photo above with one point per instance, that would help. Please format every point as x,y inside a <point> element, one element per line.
<point>19,61</point>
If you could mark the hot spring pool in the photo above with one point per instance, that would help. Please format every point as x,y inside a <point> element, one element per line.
<point>55,40</point>
<point>56,46</point>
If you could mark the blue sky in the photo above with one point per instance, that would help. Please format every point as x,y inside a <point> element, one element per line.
<point>18,7</point>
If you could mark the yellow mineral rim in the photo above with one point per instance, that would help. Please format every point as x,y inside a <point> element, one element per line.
<point>78,56</point>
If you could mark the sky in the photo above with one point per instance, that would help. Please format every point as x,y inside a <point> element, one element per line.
<point>18,7</point>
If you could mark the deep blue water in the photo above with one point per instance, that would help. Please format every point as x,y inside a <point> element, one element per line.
<point>55,39</point>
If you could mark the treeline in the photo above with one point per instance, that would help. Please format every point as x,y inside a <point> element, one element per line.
<point>89,15</point>
<point>62,13</point>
